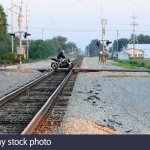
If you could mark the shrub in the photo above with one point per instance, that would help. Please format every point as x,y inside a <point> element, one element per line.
<point>148,66</point>
<point>11,57</point>
<point>9,62</point>
<point>134,63</point>
<point>142,64</point>
<point>2,62</point>
<point>120,61</point>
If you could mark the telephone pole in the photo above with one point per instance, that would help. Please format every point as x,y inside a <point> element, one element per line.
<point>20,29</point>
<point>12,26</point>
<point>134,24</point>
<point>103,24</point>
<point>117,40</point>
<point>12,23</point>
<point>42,34</point>
<point>27,28</point>
<point>103,33</point>
<point>20,24</point>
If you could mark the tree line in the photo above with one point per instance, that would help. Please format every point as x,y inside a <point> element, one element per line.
<point>4,37</point>
<point>38,49</point>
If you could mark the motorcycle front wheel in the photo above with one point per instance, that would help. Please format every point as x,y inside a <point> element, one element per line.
<point>54,65</point>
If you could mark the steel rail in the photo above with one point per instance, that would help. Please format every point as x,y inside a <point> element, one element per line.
<point>42,112</point>
<point>15,93</point>
<point>110,70</point>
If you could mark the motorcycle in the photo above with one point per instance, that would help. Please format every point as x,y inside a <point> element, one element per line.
<point>64,63</point>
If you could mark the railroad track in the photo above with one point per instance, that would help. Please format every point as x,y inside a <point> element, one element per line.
<point>52,120</point>
<point>110,70</point>
<point>57,102</point>
<point>21,106</point>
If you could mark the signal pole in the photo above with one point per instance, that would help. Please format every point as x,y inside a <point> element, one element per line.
<point>12,26</point>
<point>134,24</point>
<point>103,33</point>
<point>27,44</point>
<point>103,24</point>
<point>20,24</point>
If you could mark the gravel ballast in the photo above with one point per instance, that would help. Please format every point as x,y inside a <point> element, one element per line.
<point>118,103</point>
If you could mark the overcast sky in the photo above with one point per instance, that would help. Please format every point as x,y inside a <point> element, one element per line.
<point>79,20</point>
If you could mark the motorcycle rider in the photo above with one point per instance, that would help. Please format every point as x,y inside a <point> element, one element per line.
<point>61,56</point>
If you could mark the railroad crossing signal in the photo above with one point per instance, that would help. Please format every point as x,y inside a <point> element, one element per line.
<point>108,42</point>
<point>26,34</point>
<point>15,34</point>
<point>12,34</point>
<point>98,43</point>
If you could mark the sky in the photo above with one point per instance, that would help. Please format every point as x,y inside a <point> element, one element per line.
<point>80,20</point>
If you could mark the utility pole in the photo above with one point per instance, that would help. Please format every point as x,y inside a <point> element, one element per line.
<point>117,40</point>
<point>27,28</point>
<point>12,26</point>
<point>103,33</point>
<point>103,24</point>
<point>20,29</point>
<point>42,34</point>
<point>20,25</point>
<point>134,24</point>
<point>12,22</point>
<point>103,28</point>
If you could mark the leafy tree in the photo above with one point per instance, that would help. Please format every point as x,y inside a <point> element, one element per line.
<point>4,37</point>
<point>38,49</point>
<point>62,41</point>
<point>143,39</point>
<point>3,21</point>
<point>53,46</point>
<point>123,42</point>
<point>93,48</point>
<point>70,46</point>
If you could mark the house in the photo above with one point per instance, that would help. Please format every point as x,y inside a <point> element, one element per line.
<point>135,53</point>
<point>141,51</point>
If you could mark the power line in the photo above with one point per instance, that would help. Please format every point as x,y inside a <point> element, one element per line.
<point>82,30</point>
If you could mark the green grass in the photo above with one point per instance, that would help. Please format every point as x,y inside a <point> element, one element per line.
<point>133,64</point>
<point>117,76</point>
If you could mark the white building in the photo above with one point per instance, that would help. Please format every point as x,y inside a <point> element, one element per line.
<point>142,47</point>
<point>123,55</point>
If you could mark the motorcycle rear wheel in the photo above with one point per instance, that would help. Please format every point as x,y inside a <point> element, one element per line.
<point>70,66</point>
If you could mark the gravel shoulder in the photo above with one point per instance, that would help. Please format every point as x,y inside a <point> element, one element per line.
<point>37,65</point>
<point>14,78</point>
<point>108,103</point>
